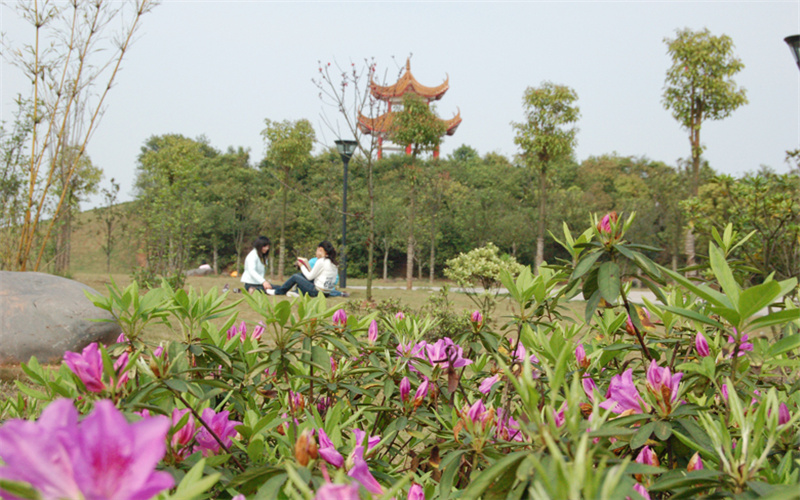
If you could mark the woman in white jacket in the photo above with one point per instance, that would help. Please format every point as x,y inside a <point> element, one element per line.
<point>320,278</point>
<point>255,266</point>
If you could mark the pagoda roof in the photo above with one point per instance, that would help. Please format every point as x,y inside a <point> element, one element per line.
<point>407,83</point>
<point>383,123</point>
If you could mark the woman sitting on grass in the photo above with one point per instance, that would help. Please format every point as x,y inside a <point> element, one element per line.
<point>255,266</point>
<point>320,278</point>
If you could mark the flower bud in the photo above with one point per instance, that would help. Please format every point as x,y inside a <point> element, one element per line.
<point>399,316</point>
<point>340,317</point>
<point>695,463</point>
<point>405,389</point>
<point>580,356</point>
<point>372,335</point>
<point>701,345</point>
<point>305,448</point>
<point>783,414</point>
<point>477,319</point>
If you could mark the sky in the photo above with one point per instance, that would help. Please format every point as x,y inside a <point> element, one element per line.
<point>220,68</point>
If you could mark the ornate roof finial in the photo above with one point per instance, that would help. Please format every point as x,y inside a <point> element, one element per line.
<point>408,64</point>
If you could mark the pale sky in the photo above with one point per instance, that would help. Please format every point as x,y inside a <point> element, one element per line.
<point>220,68</point>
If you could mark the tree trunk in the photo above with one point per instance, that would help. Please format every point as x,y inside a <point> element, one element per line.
<point>282,248</point>
<point>410,249</point>
<point>542,213</point>
<point>215,255</point>
<point>385,260</point>
<point>371,243</point>
<point>433,249</point>
<point>694,139</point>
<point>63,242</point>
<point>689,246</point>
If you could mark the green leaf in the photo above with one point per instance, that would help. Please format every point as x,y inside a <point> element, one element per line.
<point>776,318</point>
<point>723,273</point>
<point>640,438</point>
<point>586,263</point>
<point>608,281</point>
<point>785,344</point>
<point>702,291</point>
<point>484,480</point>
<point>193,484</point>
<point>687,313</point>
<point>663,430</point>
<point>757,298</point>
<point>19,489</point>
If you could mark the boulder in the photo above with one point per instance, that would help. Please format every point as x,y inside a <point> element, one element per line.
<point>45,316</point>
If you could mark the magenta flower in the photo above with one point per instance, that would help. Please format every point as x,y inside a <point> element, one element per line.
<point>415,492</point>
<point>158,352</point>
<point>477,318</point>
<point>360,472</point>
<point>604,226</point>
<point>647,457</point>
<point>622,395</point>
<point>701,345</point>
<point>120,365</point>
<point>101,457</point>
<point>695,463</point>
<point>725,392</point>
<point>589,387</point>
<point>661,381</point>
<point>744,346</point>
<point>520,353</point>
<point>559,416</point>
<point>88,366</point>
<point>783,414</point>
<point>258,331</point>
<point>641,490</point>
<point>405,389</point>
<point>340,317</point>
<point>372,332</point>
<point>446,354</point>
<point>241,331</point>
<point>400,316</point>
<point>330,491</point>
<point>327,451</point>
<point>422,392</point>
<point>507,428</point>
<point>221,426</point>
<point>411,349</point>
<point>475,412</point>
<point>182,436</point>
<point>580,357</point>
<point>371,442</point>
<point>122,338</point>
<point>488,383</point>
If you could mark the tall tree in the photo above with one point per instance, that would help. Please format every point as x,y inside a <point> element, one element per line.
<point>699,86</point>
<point>289,145</point>
<point>111,216</point>
<point>416,126</point>
<point>72,63</point>
<point>546,136</point>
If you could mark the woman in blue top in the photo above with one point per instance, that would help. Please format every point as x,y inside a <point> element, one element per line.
<point>255,266</point>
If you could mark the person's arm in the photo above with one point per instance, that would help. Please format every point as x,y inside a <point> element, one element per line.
<point>315,271</point>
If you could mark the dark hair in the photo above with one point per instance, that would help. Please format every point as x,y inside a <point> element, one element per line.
<point>259,244</point>
<point>329,250</point>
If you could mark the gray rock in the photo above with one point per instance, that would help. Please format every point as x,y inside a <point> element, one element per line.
<point>45,316</point>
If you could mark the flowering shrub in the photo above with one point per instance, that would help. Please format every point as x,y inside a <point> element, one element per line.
<point>691,395</point>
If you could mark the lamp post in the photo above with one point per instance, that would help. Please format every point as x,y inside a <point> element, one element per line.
<point>794,45</point>
<point>346,149</point>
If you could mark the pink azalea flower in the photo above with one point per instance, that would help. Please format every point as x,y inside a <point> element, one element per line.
<point>580,357</point>
<point>446,354</point>
<point>783,414</point>
<point>360,472</point>
<point>416,492</point>
<point>659,378</point>
<point>520,353</point>
<point>589,387</point>
<point>641,490</point>
<point>327,451</point>
<point>622,394</point>
<point>119,365</point>
<point>340,317</point>
<point>701,345</point>
<point>488,383</point>
<point>647,457</point>
<point>372,332</point>
<point>744,346</point>
<point>222,427</point>
<point>101,457</point>
<point>695,463</point>
<point>330,491</point>
<point>507,428</point>
<point>184,435</point>
<point>604,226</point>
<point>475,412</point>
<point>400,316</point>
<point>122,338</point>
<point>88,366</point>
<point>371,442</point>
<point>725,392</point>
<point>477,318</point>
<point>158,351</point>
<point>405,389</point>
<point>422,392</point>
<point>258,331</point>
<point>559,416</point>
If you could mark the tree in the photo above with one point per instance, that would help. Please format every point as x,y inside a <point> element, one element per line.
<point>289,145</point>
<point>71,66</point>
<point>13,146</point>
<point>350,95</point>
<point>416,126</point>
<point>546,136</point>
<point>169,179</point>
<point>111,216</point>
<point>699,86</point>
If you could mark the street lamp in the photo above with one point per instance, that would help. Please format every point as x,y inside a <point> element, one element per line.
<point>346,149</point>
<point>794,45</point>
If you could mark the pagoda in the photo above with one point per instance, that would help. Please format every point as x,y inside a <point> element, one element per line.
<point>392,95</point>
